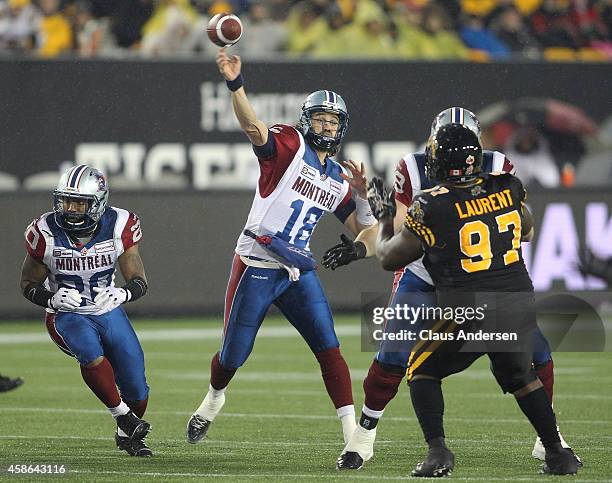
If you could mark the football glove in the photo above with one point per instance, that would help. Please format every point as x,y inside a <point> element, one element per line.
<point>65,299</point>
<point>109,298</point>
<point>344,253</point>
<point>382,201</point>
<point>590,264</point>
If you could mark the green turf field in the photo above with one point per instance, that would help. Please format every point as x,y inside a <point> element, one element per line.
<point>278,423</point>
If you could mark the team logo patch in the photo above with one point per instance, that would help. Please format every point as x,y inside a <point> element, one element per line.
<point>101,182</point>
<point>416,212</point>
<point>62,253</point>
<point>323,177</point>
<point>309,172</point>
<point>476,190</point>
<point>470,160</point>
<point>84,251</point>
<point>107,246</point>
<point>469,170</point>
<point>335,186</point>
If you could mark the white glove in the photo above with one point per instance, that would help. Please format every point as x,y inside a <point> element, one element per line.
<point>109,298</point>
<point>66,299</point>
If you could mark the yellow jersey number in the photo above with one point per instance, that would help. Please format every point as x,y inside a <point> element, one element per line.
<point>482,247</point>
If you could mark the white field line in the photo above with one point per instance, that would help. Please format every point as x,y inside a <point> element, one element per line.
<point>297,416</point>
<point>210,442</point>
<point>289,331</point>
<point>321,476</point>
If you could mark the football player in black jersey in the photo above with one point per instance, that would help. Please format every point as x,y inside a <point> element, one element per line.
<point>470,227</point>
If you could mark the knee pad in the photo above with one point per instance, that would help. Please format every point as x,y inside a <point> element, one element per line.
<point>513,379</point>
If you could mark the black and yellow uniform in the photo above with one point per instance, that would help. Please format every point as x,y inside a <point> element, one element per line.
<point>471,236</point>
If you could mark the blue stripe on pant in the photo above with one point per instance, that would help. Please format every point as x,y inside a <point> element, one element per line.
<point>303,303</point>
<point>110,335</point>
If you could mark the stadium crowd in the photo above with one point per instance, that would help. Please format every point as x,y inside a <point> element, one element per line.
<point>476,30</point>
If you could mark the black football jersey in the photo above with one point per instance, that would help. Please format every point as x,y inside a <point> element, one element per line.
<point>472,235</point>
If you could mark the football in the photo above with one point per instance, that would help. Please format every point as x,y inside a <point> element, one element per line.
<point>224,29</point>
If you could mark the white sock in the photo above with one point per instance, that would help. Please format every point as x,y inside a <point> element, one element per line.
<point>371,413</point>
<point>212,403</point>
<point>120,410</point>
<point>347,418</point>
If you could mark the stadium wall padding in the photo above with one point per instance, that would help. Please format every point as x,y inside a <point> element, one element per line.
<point>189,239</point>
<point>171,124</point>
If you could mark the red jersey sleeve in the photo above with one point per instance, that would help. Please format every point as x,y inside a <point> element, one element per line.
<point>132,232</point>
<point>281,148</point>
<point>508,167</point>
<point>402,184</point>
<point>35,241</point>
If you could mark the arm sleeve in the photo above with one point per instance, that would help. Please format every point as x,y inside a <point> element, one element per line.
<point>417,221</point>
<point>132,233</point>
<point>346,206</point>
<point>35,241</point>
<point>403,183</point>
<point>275,156</point>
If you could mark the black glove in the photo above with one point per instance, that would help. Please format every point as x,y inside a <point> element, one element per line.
<point>592,265</point>
<point>343,253</point>
<point>382,201</point>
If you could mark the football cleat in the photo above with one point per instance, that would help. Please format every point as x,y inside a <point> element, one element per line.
<point>539,452</point>
<point>133,426</point>
<point>349,461</point>
<point>197,427</point>
<point>359,449</point>
<point>560,463</point>
<point>136,447</point>
<point>440,462</point>
<point>7,384</point>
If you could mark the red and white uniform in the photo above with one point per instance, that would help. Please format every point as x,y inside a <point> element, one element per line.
<point>293,192</point>
<point>82,266</point>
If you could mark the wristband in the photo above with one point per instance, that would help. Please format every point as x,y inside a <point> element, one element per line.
<point>360,250</point>
<point>135,288</point>
<point>235,84</point>
<point>364,212</point>
<point>38,294</point>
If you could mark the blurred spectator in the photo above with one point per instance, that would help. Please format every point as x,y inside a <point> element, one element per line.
<point>554,26</point>
<point>305,26</point>
<point>369,34</point>
<point>508,25</point>
<point>477,36</point>
<point>93,35</point>
<point>129,19</point>
<point>441,41</point>
<point>168,30</point>
<point>529,152</point>
<point>19,21</point>
<point>478,8</point>
<point>591,27</point>
<point>333,43</point>
<point>54,35</point>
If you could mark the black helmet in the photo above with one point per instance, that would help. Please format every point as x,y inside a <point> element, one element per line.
<point>453,153</point>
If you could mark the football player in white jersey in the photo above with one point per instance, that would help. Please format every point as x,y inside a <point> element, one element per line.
<point>413,286</point>
<point>72,254</point>
<point>298,184</point>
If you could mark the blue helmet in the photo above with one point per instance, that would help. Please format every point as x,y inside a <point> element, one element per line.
<point>324,101</point>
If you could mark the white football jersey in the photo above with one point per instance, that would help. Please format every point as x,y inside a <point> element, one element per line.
<point>83,266</point>
<point>293,192</point>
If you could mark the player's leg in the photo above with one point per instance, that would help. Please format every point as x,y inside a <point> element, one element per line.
<point>429,363</point>
<point>81,337</point>
<point>544,369</point>
<point>250,293</point>
<point>387,369</point>
<point>123,350</point>
<point>514,373</point>
<point>305,306</point>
